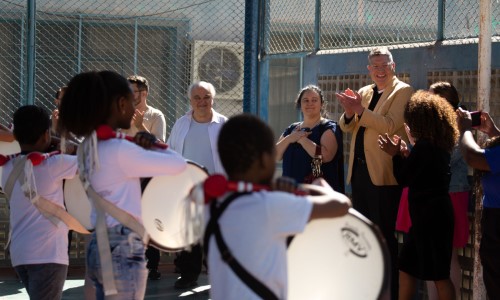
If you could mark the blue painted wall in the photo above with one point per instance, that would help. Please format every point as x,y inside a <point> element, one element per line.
<point>415,61</point>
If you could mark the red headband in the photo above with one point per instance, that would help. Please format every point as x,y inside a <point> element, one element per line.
<point>104,132</point>
<point>37,157</point>
<point>217,185</point>
<point>5,158</point>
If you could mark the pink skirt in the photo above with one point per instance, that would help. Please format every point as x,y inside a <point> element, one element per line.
<point>460,201</point>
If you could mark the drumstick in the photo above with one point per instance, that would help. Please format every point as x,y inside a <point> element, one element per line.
<point>5,158</point>
<point>217,185</point>
<point>105,132</point>
<point>37,157</point>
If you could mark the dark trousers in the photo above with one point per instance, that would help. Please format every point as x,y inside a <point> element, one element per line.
<point>489,251</point>
<point>153,257</point>
<point>380,205</point>
<point>189,262</point>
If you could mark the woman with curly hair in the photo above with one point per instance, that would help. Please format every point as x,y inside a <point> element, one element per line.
<point>426,254</point>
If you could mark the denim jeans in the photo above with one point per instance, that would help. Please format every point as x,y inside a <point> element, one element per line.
<point>43,281</point>
<point>129,264</point>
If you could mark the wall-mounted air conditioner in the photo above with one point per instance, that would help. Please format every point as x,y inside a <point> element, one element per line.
<point>220,63</point>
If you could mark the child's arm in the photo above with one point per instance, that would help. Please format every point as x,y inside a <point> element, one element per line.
<point>6,135</point>
<point>337,205</point>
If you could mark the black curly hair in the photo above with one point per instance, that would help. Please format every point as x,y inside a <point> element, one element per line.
<point>242,140</point>
<point>86,104</point>
<point>30,123</point>
<point>431,118</point>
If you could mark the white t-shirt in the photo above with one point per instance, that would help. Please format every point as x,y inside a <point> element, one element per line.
<point>197,146</point>
<point>154,121</point>
<point>35,239</point>
<point>255,228</point>
<point>122,164</point>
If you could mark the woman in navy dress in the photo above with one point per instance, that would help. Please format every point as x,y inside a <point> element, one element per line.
<point>299,142</point>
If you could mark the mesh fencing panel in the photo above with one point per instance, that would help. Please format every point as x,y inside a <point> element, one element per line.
<point>290,26</point>
<point>171,43</point>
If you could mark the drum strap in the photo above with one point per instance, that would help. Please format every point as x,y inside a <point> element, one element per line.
<point>213,227</point>
<point>17,170</point>
<point>48,209</point>
<point>103,207</point>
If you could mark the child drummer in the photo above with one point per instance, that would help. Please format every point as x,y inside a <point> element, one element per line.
<point>39,246</point>
<point>255,227</point>
<point>113,169</point>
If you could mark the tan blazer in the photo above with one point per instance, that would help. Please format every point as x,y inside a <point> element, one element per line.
<point>386,117</point>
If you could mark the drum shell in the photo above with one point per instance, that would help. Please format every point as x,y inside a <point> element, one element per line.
<point>338,258</point>
<point>164,202</point>
<point>7,148</point>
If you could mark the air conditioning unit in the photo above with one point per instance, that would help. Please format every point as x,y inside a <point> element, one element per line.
<point>220,63</point>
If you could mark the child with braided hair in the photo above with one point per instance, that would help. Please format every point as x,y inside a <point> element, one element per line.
<point>113,168</point>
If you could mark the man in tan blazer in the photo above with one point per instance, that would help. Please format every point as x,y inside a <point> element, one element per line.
<point>376,109</point>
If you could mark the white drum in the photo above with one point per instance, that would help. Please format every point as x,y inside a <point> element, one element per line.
<point>77,203</point>
<point>7,148</point>
<point>339,258</point>
<point>164,205</point>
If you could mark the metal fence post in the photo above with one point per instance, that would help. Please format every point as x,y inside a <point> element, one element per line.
<point>441,19</point>
<point>30,97</point>
<point>317,26</point>
<point>250,69</point>
<point>264,60</point>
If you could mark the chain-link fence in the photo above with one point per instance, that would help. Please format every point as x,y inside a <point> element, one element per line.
<point>171,43</point>
<point>304,26</point>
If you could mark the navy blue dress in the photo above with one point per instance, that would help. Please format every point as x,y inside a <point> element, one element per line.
<point>297,162</point>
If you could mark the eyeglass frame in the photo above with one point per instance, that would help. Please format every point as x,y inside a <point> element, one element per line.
<point>382,67</point>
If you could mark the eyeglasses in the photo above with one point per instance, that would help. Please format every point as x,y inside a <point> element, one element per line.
<point>381,67</point>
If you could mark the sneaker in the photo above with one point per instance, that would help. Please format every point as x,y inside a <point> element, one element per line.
<point>184,283</point>
<point>154,274</point>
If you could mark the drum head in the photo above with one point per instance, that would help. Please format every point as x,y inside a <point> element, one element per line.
<point>77,203</point>
<point>164,207</point>
<point>7,148</point>
<point>338,258</point>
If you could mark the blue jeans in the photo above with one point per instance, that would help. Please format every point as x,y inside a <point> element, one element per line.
<point>129,264</point>
<point>43,281</point>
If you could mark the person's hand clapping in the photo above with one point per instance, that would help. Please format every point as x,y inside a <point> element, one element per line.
<point>297,134</point>
<point>351,102</point>
<point>388,145</point>
<point>55,118</point>
<point>411,139</point>
<point>404,150</point>
<point>138,118</point>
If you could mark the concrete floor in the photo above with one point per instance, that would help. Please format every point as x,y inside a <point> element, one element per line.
<point>12,288</point>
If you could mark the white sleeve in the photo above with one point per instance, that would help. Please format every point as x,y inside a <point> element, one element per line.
<point>63,166</point>
<point>136,161</point>
<point>288,213</point>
